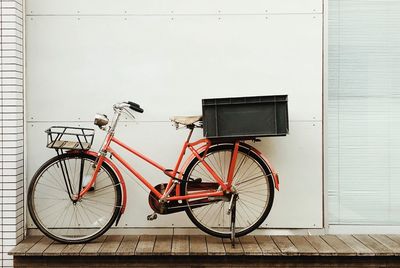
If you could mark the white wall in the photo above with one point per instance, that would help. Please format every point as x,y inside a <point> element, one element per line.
<point>83,56</point>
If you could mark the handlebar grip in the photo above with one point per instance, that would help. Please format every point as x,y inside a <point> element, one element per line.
<point>135,107</point>
<point>133,104</point>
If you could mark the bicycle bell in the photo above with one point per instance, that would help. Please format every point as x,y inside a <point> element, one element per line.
<point>100,120</point>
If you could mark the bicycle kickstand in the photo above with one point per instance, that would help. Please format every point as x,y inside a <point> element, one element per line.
<point>232,211</point>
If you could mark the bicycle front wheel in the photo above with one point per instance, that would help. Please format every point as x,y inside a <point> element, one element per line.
<point>51,198</point>
<point>254,187</point>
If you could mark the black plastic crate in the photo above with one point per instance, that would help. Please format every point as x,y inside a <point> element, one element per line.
<point>246,117</point>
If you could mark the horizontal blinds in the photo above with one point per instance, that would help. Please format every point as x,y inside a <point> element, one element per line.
<point>363,166</point>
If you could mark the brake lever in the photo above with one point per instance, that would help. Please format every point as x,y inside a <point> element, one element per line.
<point>127,111</point>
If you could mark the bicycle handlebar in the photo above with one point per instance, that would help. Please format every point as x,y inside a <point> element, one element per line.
<point>129,104</point>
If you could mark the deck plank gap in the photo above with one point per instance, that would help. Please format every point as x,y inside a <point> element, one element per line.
<point>268,246</point>
<point>127,246</point>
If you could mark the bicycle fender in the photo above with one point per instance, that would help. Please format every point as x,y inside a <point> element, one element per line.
<point>120,178</point>
<point>275,175</point>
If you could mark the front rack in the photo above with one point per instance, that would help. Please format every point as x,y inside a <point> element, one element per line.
<point>69,138</point>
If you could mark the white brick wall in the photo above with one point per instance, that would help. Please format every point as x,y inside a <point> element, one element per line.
<point>11,128</point>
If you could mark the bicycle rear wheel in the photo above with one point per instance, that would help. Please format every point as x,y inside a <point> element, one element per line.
<point>51,204</point>
<point>254,187</point>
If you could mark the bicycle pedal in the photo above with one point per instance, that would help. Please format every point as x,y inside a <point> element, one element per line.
<point>152,217</point>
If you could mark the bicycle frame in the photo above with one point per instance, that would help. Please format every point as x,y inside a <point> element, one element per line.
<point>203,146</point>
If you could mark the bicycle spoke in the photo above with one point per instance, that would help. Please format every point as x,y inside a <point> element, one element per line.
<point>105,187</point>
<point>250,179</point>
<point>216,168</point>
<point>99,216</point>
<point>49,214</point>
<point>46,208</point>
<point>206,173</point>
<point>56,179</point>
<point>63,213</point>
<point>217,215</point>
<point>95,196</point>
<point>252,186</point>
<point>51,187</point>
<point>244,160</point>
<point>244,209</point>
<point>99,202</point>
<point>245,172</point>
<point>252,197</point>
<point>259,192</point>
<point>94,219</point>
<point>246,204</point>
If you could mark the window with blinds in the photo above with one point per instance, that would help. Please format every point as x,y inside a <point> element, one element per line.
<point>363,165</point>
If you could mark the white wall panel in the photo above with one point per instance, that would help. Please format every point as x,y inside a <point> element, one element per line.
<point>82,63</point>
<point>60,7</point>
<point>168,66</point>
<point>297,157</point>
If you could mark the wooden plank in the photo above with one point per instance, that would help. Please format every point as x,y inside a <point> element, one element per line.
<point>377,248</point>
<point>54,249</point>
<point>145,245</point>
<point>215,246</point>
<point>387,242</point>
<point>268,246</point>
<point>394,237</point>
<point>339,246</point>
<point>25,245</point>
<point>180,245</point>
<point>39,247</point>
<point>250,245</point>
<point>302,245</point>
<point>93,247</point>
<point>197,245</point>
<point>358,247</point>
<point>285,245</point>
<point>230,250</point>
<point>320,245</point>
<point>110,245</point>
<point>163,245</point>
<point>128,245</point>
<point>72,249</point>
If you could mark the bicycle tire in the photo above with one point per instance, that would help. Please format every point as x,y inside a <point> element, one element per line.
<point>48,193</point>
<point>218,158</point>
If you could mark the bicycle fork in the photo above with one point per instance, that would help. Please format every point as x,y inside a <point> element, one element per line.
<point>66,177</point>
<point>74,196</point>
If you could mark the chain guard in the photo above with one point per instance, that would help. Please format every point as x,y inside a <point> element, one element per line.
<point>174,206</point>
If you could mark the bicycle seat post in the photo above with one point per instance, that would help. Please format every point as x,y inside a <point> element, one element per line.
<point>190,133</point>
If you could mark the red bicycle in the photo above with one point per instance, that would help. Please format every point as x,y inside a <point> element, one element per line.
<point>225,187</point>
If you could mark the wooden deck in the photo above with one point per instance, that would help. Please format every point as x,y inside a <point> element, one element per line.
<point>207,251</point>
